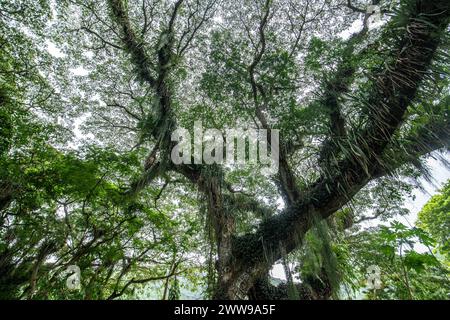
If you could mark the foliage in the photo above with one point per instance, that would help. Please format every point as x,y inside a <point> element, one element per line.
<point>405,273</point>
<point>90,92</point>
<point>435,218</point>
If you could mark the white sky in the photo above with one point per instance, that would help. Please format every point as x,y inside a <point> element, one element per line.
<point>441,175</point>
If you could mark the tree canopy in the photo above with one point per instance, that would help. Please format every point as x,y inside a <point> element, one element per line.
<point>91,92</point>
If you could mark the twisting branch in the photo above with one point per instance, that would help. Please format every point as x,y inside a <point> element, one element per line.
<point>354,8</point>
<point>191,30</point>
<point>286,178</point>
<point>172,273</point>
<point>174,14</point>
<point>132,43</point>
<point>161,126</point>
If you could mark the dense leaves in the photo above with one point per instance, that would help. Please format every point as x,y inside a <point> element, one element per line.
<point>90,92</point>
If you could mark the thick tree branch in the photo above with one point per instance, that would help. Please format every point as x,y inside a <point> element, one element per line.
<point>133,44</point>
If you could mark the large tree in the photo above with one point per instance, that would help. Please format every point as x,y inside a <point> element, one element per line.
<point>358,106</point>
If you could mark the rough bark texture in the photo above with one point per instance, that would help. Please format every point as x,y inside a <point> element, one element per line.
<point>395,89</point>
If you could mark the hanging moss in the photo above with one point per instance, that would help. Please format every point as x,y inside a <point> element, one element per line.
<point>174,291</point>
<point>319,266</point>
